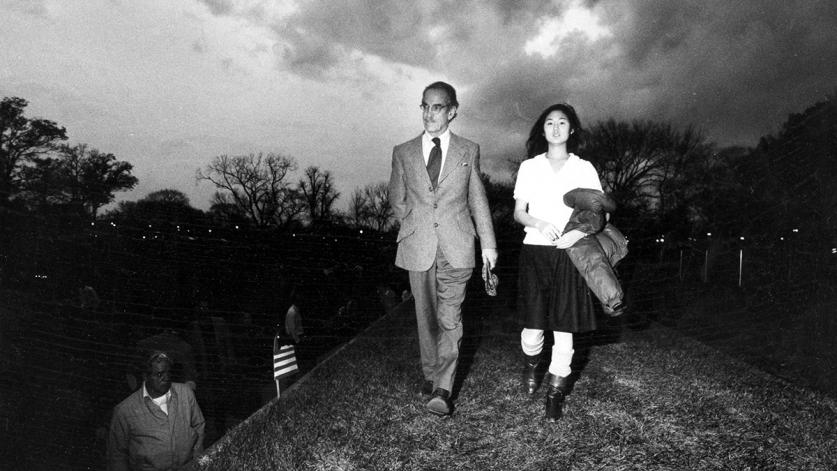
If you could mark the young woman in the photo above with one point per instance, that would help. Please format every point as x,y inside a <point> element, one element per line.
<point>552,295</point>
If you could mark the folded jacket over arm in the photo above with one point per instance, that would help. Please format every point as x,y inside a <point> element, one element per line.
<point>600,250</point>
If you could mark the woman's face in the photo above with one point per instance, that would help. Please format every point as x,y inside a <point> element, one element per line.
<point>556,128</point>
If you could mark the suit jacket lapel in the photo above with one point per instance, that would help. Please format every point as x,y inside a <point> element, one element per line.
<point>416,160</point>
<point>454,158</point>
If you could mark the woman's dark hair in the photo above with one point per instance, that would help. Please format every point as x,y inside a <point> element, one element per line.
<point>536,144</point>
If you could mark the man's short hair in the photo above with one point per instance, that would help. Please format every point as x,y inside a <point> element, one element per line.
<point>156,357</point>
<point>445,87</point>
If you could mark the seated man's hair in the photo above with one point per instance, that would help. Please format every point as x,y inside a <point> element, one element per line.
<point>156,357</point>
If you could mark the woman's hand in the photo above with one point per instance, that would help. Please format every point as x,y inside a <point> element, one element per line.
<point>569,239</point>
<point>548,230</point>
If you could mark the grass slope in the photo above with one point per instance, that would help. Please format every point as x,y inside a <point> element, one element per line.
<point>653,400</point>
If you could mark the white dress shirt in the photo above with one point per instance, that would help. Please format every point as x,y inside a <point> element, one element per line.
<point>427,146</point>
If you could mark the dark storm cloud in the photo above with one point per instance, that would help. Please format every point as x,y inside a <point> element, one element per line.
<point>733,69</point>
<point>307,53</point>
<point>321,33</point>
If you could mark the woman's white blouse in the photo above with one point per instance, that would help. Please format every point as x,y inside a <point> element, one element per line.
<point>543,190</point>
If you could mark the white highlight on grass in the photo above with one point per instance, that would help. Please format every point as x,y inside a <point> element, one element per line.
<point>629,383</point>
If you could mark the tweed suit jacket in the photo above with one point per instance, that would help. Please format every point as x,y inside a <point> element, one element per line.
<point>451,216</point>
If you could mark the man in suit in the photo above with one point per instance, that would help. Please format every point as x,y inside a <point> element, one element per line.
<point>440,202</point>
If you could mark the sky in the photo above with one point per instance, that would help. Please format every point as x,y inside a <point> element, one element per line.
<point>169,85</point>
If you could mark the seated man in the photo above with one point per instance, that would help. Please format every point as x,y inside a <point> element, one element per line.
<point>595,246</point>
<point>158,427</point>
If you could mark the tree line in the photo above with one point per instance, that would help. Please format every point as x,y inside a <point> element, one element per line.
<point>667,181</point>
<point>40,173</point>
<point>257,190</point>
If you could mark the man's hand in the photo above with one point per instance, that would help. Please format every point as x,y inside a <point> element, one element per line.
<point>489,257</point>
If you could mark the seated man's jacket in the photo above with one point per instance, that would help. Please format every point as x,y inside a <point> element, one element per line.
<point>143,437</point>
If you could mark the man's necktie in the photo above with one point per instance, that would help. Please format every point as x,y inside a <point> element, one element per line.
<point>434,163</point>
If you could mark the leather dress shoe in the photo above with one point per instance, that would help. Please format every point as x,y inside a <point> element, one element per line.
<point>427,387</point>
<point>440,403</point>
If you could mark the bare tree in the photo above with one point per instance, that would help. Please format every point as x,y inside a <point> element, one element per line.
<point>370,208</point>
<point>319,194</point>
<point>379,212</point>
<point>256,184</point>
<point>356,216</point>
<point>647,165</point>
<point>290,208</point>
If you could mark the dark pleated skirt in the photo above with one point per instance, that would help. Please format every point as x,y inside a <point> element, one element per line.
<point>552,295</point>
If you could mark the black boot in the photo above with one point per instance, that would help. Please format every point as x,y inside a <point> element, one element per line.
<point>558,388</point>
<point>530,380</point>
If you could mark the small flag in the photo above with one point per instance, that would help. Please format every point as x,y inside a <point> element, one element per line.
<point>284,360</point>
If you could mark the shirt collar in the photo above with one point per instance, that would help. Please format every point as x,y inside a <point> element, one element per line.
<point>542,157</point>
<point>145,394</point>
<point>444,139</point>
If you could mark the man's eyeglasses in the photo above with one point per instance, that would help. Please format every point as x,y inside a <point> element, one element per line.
<point>433,108</point>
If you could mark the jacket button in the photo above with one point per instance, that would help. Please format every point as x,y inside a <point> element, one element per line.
<point>435,205</point>
<point>435,224</point>
<point>430,188</point>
